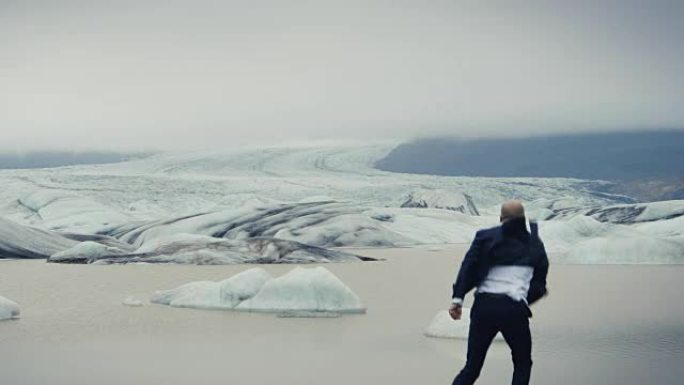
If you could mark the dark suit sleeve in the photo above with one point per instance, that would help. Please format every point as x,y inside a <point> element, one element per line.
<point>467,275</point>
<point>538,283</point>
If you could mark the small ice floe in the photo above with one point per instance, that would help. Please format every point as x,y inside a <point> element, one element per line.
<point>435,248</point>
<point>303,292</point>
<point>132,302</point>
<point>443,326</point>
<point>8,309</point>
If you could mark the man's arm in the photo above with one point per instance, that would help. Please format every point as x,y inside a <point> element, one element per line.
<point>467,275</point>
<point>538,282</point>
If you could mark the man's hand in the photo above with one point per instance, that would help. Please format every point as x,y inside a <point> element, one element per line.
<point>455,311</point>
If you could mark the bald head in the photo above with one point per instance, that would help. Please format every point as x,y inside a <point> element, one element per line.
<point>512,209</point>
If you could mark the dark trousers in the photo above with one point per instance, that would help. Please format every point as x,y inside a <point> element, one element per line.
<point>490,314</point>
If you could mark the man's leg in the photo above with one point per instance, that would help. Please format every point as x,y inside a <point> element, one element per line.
<point>517,335</point>
<point>482,332</point>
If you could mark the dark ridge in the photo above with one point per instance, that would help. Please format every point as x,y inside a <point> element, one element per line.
<point>646,165</point>
<point>609,156</point>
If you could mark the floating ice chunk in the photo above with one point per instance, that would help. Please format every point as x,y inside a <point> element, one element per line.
<point>305,290</point>
<point>301,292</point>
<point>86,252</point>
<point>132,301</point>
<point>435,248</point>
<point>8,309</point>
<point>443,326</point>
<point>214,295</point>
<point>200,294</point>
<point>243,286</point>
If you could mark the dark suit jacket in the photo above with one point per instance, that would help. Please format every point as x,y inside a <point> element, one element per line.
<point>479,259</point>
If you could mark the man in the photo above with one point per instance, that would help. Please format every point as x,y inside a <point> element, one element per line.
<point>508,265</point>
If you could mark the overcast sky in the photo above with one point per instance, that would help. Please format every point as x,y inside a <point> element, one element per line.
<point>193,74</point>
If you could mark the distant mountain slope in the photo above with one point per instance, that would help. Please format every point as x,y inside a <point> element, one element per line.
<point>609,156</point>
<point>647,165</point>
<point>45,159</point>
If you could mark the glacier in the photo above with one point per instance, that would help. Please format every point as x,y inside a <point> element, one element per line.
<point>205,250</point>
<point>8,309</point>
<point>302,290</point>
<point>619,213</point>
<point>441,199</point>
<point>298,204</point>
<point>61,210</point>
<point>19,241</point>
<point>88,251</point>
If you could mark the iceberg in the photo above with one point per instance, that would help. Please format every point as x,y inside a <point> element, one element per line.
<point>243,286</point>
<point>303,291</point>
<point>200,295</point>
<point>443,326</point>
<point>224,295</point>
<point>8,309</point>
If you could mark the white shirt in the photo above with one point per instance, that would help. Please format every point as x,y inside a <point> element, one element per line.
<point>513,281</point>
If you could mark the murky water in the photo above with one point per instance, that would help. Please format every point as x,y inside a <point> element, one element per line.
<point>600,325</point>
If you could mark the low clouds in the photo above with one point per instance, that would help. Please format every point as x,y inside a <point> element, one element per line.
<point>168,75</point>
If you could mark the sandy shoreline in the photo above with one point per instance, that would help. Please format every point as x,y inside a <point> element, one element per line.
<point>74,329</point>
